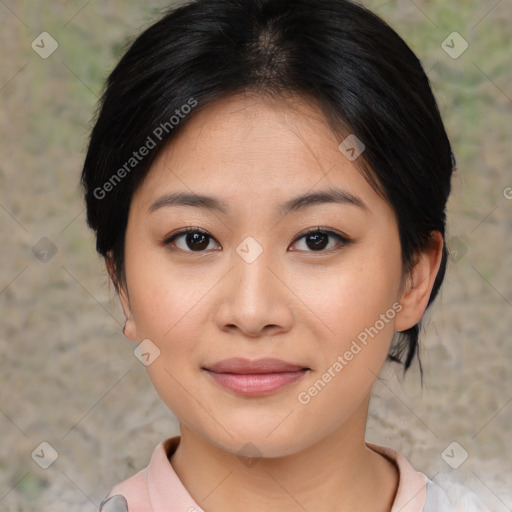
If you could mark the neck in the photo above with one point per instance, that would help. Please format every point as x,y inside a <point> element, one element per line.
<point>339,473</point>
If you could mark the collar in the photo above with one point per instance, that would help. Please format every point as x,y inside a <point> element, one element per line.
<point>412,485</point>
<point>167,492</point>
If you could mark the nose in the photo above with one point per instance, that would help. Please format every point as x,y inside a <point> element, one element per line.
<point>255,298</point>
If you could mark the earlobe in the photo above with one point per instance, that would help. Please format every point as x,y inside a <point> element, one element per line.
<point>129,328</point>
<point>419,284</point>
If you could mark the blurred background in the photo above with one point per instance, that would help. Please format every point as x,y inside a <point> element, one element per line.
<point>69,380</point>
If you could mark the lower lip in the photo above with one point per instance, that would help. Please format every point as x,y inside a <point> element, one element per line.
<point>255,384</point>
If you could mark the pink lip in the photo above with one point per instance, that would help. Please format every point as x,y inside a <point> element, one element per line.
<point>253,378</point>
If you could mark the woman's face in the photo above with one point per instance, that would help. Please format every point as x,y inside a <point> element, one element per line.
<point>252,284</point>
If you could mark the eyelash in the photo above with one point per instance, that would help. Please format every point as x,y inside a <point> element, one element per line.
<point>342,240</point>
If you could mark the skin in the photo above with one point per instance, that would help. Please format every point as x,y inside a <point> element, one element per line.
<point>292,303</point>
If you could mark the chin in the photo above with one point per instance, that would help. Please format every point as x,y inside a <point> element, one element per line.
<point>248,441</point>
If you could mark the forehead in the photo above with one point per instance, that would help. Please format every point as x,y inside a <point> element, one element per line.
<point>248,145</point>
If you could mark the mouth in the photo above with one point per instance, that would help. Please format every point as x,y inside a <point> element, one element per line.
<point>255,377</point>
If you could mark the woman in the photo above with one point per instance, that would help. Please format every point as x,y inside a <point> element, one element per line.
<point>267,180</point>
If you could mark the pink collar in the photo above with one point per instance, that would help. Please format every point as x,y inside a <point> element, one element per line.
<point>157,487</point>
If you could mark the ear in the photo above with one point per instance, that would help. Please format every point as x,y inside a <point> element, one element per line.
<point>418,285</point>
<point>130,330</point>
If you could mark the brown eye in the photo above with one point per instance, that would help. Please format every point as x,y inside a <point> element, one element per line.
<point>317,240</point>
<point>190,240</point>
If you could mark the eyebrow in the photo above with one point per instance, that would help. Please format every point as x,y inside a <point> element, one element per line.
<point>332,195</point>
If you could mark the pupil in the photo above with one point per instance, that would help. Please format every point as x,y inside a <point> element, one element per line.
<point>194,238</point>
<point>318,245</point>
<point>199,241</point>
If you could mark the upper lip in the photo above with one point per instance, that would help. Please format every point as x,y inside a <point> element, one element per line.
<point>241,365</point>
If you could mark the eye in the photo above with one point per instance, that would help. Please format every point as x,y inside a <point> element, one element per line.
<point>317,239</point>
<point>194,240</point>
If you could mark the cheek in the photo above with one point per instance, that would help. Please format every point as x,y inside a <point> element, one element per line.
<point>164,296</point>
<point>167,307</point>
<point>353,297</point>
<point>357,309</point>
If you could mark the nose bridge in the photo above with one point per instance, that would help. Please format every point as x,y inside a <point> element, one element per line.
<point>251,262</point>
<point>254,297</point>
